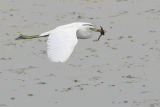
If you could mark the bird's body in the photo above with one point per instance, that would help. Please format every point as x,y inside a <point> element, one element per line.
<point>63,39</point>
<point>81,32</point>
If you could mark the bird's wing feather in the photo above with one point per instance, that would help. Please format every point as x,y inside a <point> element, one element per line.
<point>61,44</point>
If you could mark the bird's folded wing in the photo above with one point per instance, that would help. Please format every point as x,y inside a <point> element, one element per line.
<point>61,45</point>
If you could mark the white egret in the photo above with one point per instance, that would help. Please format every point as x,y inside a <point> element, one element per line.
<point>63,39</point>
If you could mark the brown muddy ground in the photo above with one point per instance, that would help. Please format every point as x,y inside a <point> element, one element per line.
<point>120,70</point>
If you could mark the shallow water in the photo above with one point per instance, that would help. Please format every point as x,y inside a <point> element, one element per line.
<point>122,69</point>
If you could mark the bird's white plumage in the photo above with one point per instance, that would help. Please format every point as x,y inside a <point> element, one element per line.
<point>61,45</point>
<point>62,41</point>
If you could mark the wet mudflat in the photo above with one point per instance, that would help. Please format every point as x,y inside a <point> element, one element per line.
<point>120,70</point>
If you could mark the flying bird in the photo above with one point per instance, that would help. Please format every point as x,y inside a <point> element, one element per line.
<point>63,39</point>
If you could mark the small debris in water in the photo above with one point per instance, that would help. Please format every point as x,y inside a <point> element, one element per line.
<point>75,80</point>
<point>12,98</point>
<point>128,76</point>
<point>3,58</point>
<point>112,85</point>
<point>143,85</point>
<point>121,37</point>
<point>11,15</point>
<point>91,18</point>
<point>69,89</point>
<point>66,89</point>
<point>129,36</point>
<point>79,17</point>
<point>56,90</point>
<point>129,57</point>
<point>125,101</point>
<point>30,94</point>
<point>106,43</point>
<point>41,82</point>
<point>114,48</point>
<point>99,71</point>
<point>133,41</point>
<point>87,56</point>
<point>81,88</point>
<point>3,105</point>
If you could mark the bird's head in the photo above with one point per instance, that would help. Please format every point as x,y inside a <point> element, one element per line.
<point>94,29</point>
<point>85,30</point>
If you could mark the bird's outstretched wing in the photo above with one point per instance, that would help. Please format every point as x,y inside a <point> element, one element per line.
<point>61,43</point>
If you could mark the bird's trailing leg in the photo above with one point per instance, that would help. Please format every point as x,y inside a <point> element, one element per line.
<point>21,36</point>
